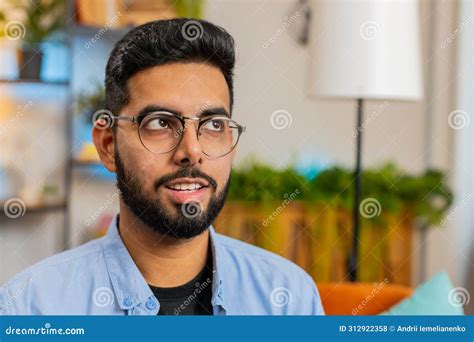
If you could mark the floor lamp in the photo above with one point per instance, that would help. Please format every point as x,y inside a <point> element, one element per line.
<point>367,50</point>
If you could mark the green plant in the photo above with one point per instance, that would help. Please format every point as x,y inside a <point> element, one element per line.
<point>39,18</point>
<point>189,8</point>
<point>90,102</point>
<point>427,196</point>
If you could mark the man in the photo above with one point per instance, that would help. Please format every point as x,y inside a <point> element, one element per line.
<point>169,136</point>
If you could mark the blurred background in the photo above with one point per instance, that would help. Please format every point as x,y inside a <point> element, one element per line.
<point>306,72</point>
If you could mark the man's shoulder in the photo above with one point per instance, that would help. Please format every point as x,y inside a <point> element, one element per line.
<point>273,284</point>
<point>61,262</point>
<point>51,274</point>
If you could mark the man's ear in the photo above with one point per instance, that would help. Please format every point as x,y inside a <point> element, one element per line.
<point>104,141</point>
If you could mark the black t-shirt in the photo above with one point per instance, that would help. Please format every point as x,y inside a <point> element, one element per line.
<point>192,298</point>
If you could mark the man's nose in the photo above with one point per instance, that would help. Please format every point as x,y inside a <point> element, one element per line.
<point>189,151</point>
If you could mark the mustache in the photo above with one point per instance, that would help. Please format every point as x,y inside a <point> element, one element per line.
<point>186,172</point>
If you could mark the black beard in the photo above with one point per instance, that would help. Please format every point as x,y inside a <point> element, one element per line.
<point>191,219</point>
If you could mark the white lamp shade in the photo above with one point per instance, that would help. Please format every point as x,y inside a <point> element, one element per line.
<point>368,49</point>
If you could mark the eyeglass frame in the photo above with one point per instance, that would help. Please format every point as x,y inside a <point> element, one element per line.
<point>137,119</point>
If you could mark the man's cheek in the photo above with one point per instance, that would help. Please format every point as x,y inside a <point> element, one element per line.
<point>220,186</point>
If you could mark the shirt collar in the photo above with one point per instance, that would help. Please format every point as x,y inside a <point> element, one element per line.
<point>128,283</point>
<point>218,282</point>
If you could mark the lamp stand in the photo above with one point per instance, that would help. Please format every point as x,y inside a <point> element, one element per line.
<point>354,256</point>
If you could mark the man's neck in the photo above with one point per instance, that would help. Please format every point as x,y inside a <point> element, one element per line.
<point>163,261</point>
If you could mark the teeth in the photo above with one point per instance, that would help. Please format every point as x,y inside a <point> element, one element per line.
<point>186,186</point>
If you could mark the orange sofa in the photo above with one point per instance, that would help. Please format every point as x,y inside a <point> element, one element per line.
<point>360,298</point>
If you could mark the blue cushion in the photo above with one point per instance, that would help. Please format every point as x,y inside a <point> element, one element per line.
<point>435,297</point>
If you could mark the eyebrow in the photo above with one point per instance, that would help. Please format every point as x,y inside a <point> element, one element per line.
<point>206,112</point>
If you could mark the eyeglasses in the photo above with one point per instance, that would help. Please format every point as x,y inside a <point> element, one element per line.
<point>161,132</point>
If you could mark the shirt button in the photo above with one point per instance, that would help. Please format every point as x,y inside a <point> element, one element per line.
<point>127,301</point>
<point>150,304</point>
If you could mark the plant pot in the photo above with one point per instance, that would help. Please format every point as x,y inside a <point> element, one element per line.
<point>30,59</point>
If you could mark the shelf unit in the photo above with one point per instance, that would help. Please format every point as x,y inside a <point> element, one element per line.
<point>40,208</point>
<point>60,205</point>
<point>85,163</point>
<point>72,31</point>
<point>34,81</point>
<point>111,33</point>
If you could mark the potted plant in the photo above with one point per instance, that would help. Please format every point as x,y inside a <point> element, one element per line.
<point>32,22</point>
<point>90,102</point>
<point>86,105</point>
<point>309,219</point>
<point>189,8</point>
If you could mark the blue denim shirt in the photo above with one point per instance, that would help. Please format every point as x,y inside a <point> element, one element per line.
<point>101,278</point>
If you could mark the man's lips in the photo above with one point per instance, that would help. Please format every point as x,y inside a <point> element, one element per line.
<point>184,190</point>
<point>187,181</point>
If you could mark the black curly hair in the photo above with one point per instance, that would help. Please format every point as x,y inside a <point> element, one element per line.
<point>166,41</point>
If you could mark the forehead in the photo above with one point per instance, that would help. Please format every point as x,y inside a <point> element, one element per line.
<point>184,87</point>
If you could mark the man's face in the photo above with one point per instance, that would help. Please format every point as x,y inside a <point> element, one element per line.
<point>149,181</point>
